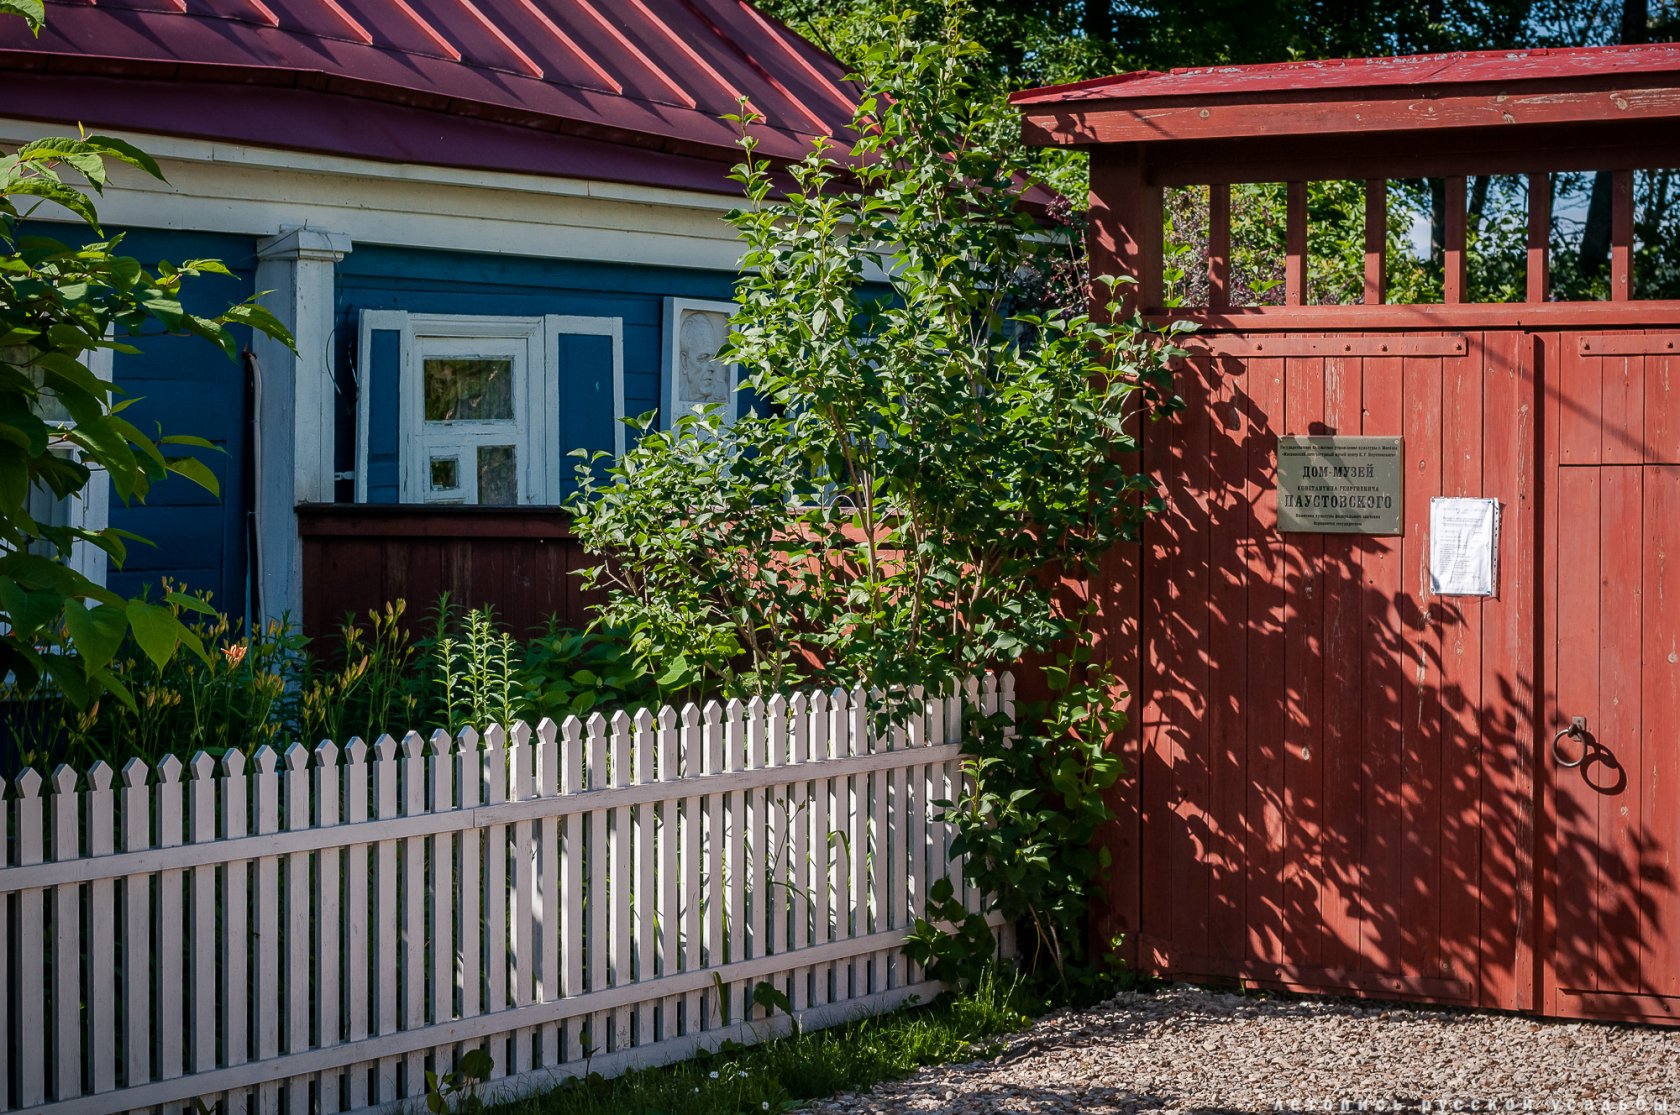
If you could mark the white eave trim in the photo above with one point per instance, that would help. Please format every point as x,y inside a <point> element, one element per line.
<point>215,186</point>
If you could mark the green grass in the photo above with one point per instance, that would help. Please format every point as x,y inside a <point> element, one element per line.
<point>782,1075</point>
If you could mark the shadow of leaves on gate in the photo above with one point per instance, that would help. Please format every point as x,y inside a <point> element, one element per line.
<point>1338,768</point>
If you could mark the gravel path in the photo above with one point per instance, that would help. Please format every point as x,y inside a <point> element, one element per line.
<point>1189,1050</point>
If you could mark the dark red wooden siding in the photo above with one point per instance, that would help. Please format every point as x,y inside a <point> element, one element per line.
<point>522,563</point>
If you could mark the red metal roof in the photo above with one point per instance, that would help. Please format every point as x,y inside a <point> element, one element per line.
<point>1462,68</point>
<point>450,82</point>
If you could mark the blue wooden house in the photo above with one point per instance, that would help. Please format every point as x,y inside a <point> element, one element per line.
<point>495,228</point>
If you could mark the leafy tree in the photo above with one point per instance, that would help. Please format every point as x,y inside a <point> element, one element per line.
<point>929,450</point>
<point>1039,42</point>
<point>62,427</point>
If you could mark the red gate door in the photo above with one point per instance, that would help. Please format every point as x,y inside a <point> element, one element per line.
<point>1613,770</point>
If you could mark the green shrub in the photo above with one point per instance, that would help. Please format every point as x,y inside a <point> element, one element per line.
<point>571,672</point>
<point>271,686</point>
<point>932,461</point>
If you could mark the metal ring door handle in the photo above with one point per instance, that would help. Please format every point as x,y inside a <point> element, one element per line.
<point>1577,730</point>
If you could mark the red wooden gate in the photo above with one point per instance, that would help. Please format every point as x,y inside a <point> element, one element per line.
<point>1614,935</point>
<point>1331,757</point>
<point>1340,780</point>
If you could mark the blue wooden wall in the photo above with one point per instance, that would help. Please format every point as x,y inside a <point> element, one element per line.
<point>185,385</point>
<point>435,282</point>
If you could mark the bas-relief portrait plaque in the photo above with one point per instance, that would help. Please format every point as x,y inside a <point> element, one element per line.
<point>1339,485</point>
<point>694,377</point>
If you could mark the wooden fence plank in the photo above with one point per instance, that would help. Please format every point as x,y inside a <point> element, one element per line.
<point>202,930</point>
<point>522,885</point>
<point>236,938</point>
<point>574,924</point>
<point>621,944</point>
<point>496,892</point>
<point>31,963</point>
<point>298,915</point>
<point>329,921</point>
<point>411,900</point>
<point>822,846</point>
<point>915,827</point>
<point>102,928</point>
<point>735,867</point>
<point>67,941</point>
<point>797,851</point>
<point>717,887</point>
<point>268,988</point>
<point>897,842</point>
<point>691,889</point>
<point>167,945</point>
<point>547,900</point>
<point>645,887</point>
<point>669,925</point>
<point>777,868</point>
<point>757,885</point>
<point>599,899</point>
<point>469,787</point>
<point>385,926</point>
<point>440,928</point>
<point>355,944</point>
<point>1295,267</point>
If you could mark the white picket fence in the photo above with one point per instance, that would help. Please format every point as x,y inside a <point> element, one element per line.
<point>313,931</point>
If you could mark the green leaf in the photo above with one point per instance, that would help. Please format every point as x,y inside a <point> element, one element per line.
<point>33,12</point>
<point>86,158</point>
<point>50,189</point>
<point>477,1064</point>
<point>126,152</point>
<point>190,439</point>
<point>191,603</point>
<point>27,609</point>
<point>95,632</point>
<point>260,319</point>
<point>156,630</point>
<point>197,471</point>
<point>67,677</point>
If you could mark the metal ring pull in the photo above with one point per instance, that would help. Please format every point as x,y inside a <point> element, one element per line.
<point>1577,730</point>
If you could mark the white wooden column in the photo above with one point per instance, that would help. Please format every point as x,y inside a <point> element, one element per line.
<point>296,416</point>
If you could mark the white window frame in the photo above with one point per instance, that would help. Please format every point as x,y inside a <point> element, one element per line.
<point>462,438</point>
<point>672,361</point>
<point>535,341</point>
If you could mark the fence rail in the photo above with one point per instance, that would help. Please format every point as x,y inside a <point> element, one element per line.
<point>313,931</point>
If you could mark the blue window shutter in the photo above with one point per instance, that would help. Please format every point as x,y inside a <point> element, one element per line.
<point>382,381</point>
<point>587,411</point>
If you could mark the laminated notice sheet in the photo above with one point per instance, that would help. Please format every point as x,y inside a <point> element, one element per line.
<point>1463,546</point>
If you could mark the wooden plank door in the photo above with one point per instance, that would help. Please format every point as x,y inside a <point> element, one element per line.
<point>1613,787</point>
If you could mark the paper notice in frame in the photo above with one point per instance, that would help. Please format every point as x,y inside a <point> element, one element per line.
<point>1463,546</point>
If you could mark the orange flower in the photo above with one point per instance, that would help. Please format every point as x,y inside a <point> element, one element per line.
<point>235,654</point>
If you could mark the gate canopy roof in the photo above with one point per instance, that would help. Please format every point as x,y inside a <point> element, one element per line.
<point>583,88</point>
<point>1481,89</point>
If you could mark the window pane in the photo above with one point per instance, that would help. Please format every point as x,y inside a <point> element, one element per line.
<point>468,389</point>
<point>446,476</point>
<point>51,410</point>
<point>498,480</point>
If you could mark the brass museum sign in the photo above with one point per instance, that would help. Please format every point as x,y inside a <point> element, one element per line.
<point>1339,485</point>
